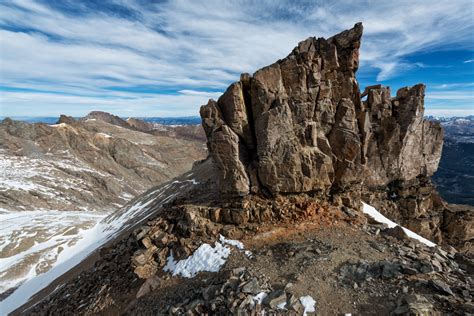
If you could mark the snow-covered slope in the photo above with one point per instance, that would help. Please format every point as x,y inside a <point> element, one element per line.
<point>91,239</point>
<point>32,241</point>
<point>377,216</point>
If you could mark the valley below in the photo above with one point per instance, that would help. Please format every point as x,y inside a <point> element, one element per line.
<point>455,176</point>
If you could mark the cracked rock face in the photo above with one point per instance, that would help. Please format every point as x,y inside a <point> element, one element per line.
<point>299,125</point>
<point>398,143</point>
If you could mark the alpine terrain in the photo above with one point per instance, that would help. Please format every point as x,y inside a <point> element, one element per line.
<point>311,201</point>
<point>57,181</point>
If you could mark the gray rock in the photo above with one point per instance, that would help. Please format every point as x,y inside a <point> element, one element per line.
<point>406,269</point>
<point>426,267</point>
<point>437,266</point>
<point>441,287</point>
<point>275,298</point>
<point>419,305</point>
<point>390,270</point>
<point>251,287</point>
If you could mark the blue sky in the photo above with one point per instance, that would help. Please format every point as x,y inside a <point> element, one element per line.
<point>166,58</point>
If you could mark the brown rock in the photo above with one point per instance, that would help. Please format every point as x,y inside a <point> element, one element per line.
<point>299,125</point>
<point>225,149</point>
<point>150,284</point>
<point>275,298</point>
<point>396,232</point>
<point>146,271</point>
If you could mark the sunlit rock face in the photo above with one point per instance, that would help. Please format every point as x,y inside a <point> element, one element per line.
<point>299,125</point>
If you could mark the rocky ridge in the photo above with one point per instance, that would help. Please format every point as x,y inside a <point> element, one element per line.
<point>293,153</point>
<point>187,132</point>
<point>93,163</point>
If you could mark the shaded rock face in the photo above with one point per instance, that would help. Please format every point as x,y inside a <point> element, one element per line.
<point>398,143</point>
<point>299,125</point>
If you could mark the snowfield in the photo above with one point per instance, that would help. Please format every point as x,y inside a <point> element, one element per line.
<point>32,241</point>
<point>41,176</point>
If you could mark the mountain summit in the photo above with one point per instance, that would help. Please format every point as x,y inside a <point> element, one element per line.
<point>299,125</point>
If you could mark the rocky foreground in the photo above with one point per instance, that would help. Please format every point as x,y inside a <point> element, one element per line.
<point>275,220</point>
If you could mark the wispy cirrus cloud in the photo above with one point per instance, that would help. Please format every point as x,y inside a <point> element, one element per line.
<point>167,58</point>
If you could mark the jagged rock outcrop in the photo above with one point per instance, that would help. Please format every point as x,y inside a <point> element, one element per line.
<point>281,118</point>
<point>399,143</point>
<point>299,125</point>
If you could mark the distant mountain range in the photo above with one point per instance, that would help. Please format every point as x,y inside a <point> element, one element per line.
<point>59,179</point>
<point>455,176</point>
<point>185,120</point>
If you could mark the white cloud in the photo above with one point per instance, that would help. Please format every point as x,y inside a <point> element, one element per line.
<point>449,112</point>
<point>454,85</point>
<point>451,95</point>
<point>164,105</point>
<point>469,61</point>
<point>200,45</point>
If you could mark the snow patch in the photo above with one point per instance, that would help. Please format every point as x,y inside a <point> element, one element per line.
<point>237,244</point>
<point>308,303</point>
<point>258,299</point>
<point>377,216</point>
<point>58,125</point>
<point>205,258</point>
<point>104,135</point>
